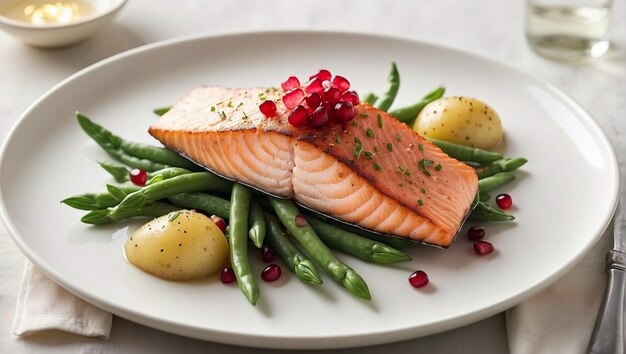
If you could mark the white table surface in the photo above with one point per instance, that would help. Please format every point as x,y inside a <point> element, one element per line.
<point>489,27</point>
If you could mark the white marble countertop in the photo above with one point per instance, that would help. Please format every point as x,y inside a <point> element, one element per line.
<point>489,27</point>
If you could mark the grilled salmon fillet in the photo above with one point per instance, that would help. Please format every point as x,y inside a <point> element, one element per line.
<point>374,172</point>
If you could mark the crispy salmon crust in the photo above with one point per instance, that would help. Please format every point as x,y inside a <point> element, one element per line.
<point>374,171</point>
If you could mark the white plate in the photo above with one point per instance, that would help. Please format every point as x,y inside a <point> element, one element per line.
<point>563,197</point>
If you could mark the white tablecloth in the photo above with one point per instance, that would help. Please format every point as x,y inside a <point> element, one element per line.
<point>489,27</point>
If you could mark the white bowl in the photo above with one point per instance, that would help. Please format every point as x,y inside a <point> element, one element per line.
<point>58,35</point>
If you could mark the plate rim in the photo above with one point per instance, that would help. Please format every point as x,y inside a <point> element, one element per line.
<point>302,342</point>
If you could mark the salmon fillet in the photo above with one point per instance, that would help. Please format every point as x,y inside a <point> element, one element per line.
<point>374,172</point>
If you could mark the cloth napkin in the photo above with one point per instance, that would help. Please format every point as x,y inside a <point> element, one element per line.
<point>561,318</point>
<point>44,305</point>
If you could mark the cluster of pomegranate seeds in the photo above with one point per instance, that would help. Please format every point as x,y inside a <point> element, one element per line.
<point>221,224</point>
<point>418,279</point>
<point>483,247</point>
<point>271,272</point>
<point>504,201</point>
<point>267,253</point>
<point>228,275</point>
<point>138,177</point>
<point>322,100</point>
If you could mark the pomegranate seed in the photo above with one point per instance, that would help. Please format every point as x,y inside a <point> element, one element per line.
<point>418,279</point>
<point>319,117</point>
<point>293,98</point>
<point>219,222</point>
<point>504,201</point>
<point>323,74</point>
<point>314,85</point>
<point>268,108</point>
<point>313,100</point>
<point>271,272</point>
<point>343,111</point>
<point>476,233</point>
<point>228,275</point>
<point>341,83</point>
<point>298,116</point>
<point>331,95</point>
<point>350,96</point>
<point>300,221</point>
<point>483,247</point>
<point>138,177</point>
<point>291,83</point>
<point>326,84</point>
<point>267,253</point>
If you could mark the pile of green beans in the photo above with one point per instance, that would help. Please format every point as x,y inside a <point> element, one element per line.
<point>173,184</point>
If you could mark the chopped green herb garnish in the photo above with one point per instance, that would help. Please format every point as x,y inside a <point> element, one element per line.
<point>174,216</point>
<point>222,115</point>
<point>369,133</point>
<point>398,137</point>
<point>421,147</point>
<point>401,169</point>
<point>376,149</point>
<point>407,172</point>
<point>337,139</point>
<point>401,185</point>
<point>245,116</point>
<point>380,121</point>
<point>377,167</point>
<point>390,147</point>
<point>419,202</point>
<point>438,167</point>
<point>358,148</point>
<point>363,115</point>
<point>240,104</point>
<point>422,165</point>
<point>368,154</point>
<point>424,190</point>
<point>212,108</point>
<point>354,123</point>
<point>230,104</point>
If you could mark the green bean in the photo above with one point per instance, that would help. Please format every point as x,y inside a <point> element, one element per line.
<point>297,262</point>
<point>190,182</point>
<point>466,153</point>
<point>386,100</point>
<point>360,247</point>
<point>119,172</point>
<point>409,113</point>
<point>486,212</point>
<point>257,224</point>
<point>238,228</point>
<point>207,203</point>
<point>102,216</point>
<point>502,165</point>
<point>483,196</point>
<point>94,201</point>
<point>370,98</point>
<point>339,271</point>
<point>166,173</point>
<point>492,182</point>
<point>138,155</point>
<point>162,110</point>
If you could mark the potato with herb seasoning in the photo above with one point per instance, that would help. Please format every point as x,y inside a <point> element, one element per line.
<point>181,245</point>
<point>461,120</point>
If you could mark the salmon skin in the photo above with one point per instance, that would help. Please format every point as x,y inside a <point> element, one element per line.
<point>374,172</point>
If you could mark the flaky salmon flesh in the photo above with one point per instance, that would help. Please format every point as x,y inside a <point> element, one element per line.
<point>374,171</point>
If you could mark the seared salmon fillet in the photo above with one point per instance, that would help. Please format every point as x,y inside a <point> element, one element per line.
<point>374,171</point>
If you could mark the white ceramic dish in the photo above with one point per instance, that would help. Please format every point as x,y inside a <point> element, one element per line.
<point>564,197</point>
<point>59,35</point>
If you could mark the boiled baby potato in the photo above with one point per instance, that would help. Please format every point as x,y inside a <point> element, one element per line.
<point>461,120</point>
<point>181,245</point>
